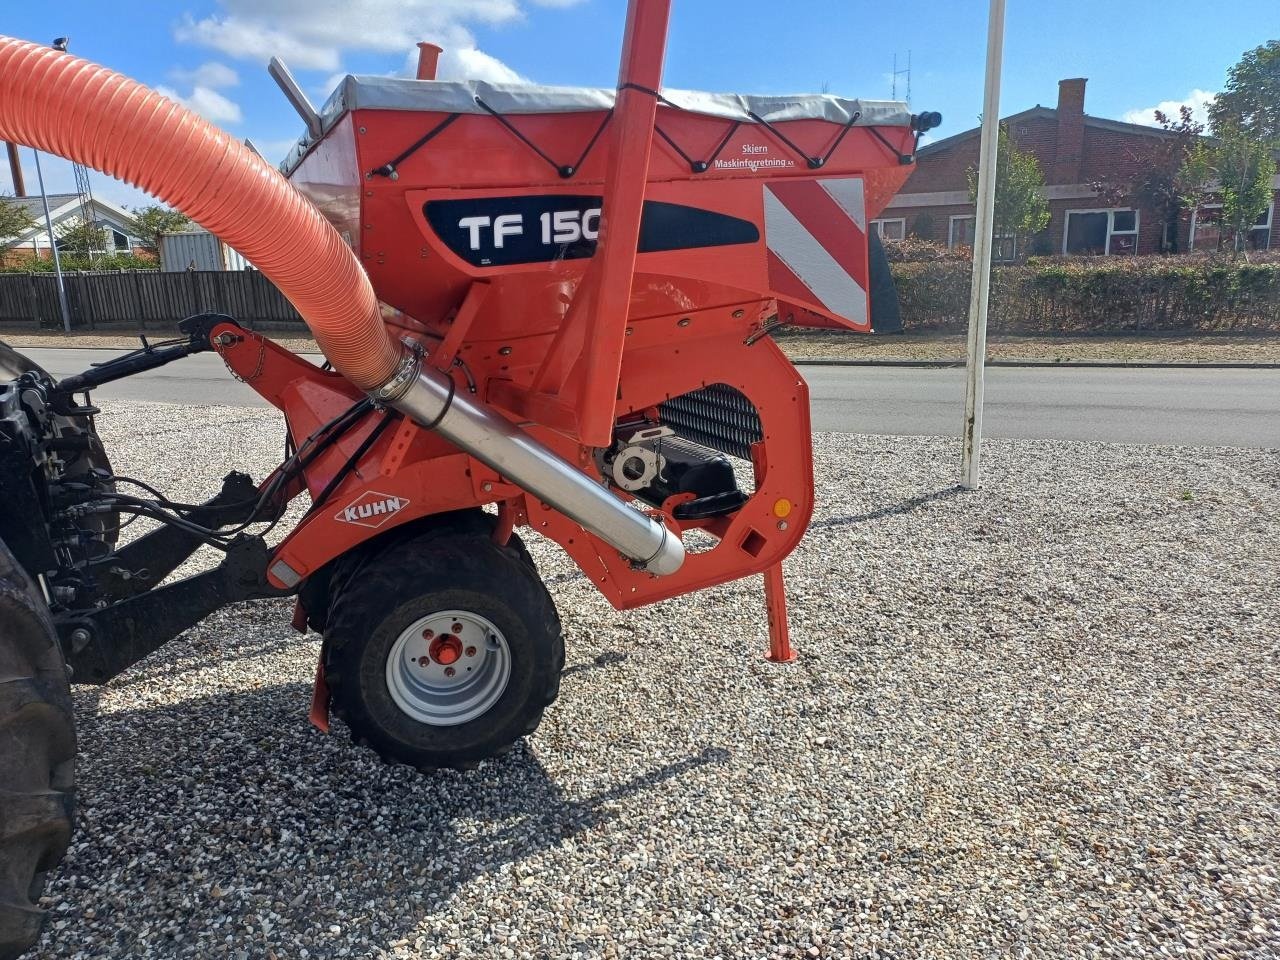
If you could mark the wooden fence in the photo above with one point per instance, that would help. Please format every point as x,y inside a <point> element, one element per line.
<point>143,299</point>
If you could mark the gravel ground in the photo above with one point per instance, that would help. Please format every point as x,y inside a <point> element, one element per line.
<point>1034,721</point>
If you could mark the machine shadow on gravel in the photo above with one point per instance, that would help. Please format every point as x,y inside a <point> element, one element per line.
<point>257,806</point>
<point>889,510</point>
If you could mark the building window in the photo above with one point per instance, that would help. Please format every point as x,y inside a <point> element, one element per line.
<point>1260,234</point>
<point>1206,227</point>
<point>893,229</point>
<point>1207,232</point>
<point>960,233</point>
<point>119,241</point>
<point>1100,232</point>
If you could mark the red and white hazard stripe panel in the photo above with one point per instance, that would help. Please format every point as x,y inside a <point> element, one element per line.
<point>816,234</point>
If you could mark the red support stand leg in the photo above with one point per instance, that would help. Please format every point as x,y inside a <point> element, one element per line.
<point>775,601</point>
<point>319,715</point>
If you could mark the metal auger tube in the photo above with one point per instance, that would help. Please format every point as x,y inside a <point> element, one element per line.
<point>427,396</point>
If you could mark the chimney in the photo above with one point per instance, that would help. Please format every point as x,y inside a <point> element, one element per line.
<point>1070,146</point>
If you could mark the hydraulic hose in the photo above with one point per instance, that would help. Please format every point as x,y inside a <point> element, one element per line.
<point>82,111</point>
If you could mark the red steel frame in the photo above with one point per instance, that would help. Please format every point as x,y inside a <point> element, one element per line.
<point>569,348</point>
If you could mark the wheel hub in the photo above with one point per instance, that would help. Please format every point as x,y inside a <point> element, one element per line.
<point>446,650</point>
<point>448,668</point>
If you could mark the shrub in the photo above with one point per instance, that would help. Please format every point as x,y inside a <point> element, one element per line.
<point>72,263</point>
<point>916,250</point>
<point>1099,295</point>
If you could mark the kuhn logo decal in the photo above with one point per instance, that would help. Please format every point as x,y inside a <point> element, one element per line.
<point>371,509</point>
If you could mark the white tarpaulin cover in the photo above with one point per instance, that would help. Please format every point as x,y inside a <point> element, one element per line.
<point>439,96</point>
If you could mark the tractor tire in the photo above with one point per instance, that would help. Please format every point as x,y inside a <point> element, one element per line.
<point>444,649</point>
<point>13,365</point>
<point>37,756</point>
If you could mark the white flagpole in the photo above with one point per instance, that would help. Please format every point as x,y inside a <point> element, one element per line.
<point>982,228</point>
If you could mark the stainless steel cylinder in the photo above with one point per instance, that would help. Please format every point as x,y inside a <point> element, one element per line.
<point>428,397</point>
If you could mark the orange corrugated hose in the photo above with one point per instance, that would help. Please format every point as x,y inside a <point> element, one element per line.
<point>67,106</point>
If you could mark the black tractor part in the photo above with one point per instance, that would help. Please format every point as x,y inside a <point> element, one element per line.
<point>37,756</point>
<point>443,648</point>
<point>652,463</point>
<point>886,313</point>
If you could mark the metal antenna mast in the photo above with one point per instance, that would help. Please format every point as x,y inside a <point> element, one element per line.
<point>87,215</point>
<point>898,73</point>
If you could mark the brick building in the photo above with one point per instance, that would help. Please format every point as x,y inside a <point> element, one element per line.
<point>1074,150</point>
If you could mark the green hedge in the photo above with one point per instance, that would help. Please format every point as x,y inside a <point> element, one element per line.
<point>1111,296</point>
<point>74,262</point>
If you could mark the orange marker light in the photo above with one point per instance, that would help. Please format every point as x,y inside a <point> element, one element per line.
<point>782,508</point>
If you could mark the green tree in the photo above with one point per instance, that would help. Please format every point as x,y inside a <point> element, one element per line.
<point>14,220</point>
<point>1159,179</point>
<point>1250,101</point>
<point>80,238</point>
<point>1239,169</point>
<point>150,222</point>
<point>1021,210</point>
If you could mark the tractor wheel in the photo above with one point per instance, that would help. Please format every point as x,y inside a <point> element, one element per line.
<point>37,756</point>
<point>93,457</point>
<point>444,649</point>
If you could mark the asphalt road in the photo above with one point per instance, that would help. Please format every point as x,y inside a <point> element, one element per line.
<point>1231,407</point>
<point>1228,407</point>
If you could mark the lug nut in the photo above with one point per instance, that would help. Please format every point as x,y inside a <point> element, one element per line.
<point>428,634</point>
<point>457,628</point>
<point>471,651</point>
<point>449,671</point>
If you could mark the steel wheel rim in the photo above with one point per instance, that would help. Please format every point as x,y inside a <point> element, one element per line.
<point>448,668</point>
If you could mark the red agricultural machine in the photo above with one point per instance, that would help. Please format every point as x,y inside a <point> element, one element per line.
<point>543,308</point>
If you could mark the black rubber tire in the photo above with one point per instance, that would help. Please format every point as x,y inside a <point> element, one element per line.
<point>37,756</point>
<point>377,594</point>
<point>13,365</point>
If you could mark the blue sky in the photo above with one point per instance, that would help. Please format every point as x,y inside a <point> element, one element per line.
<point>212,53</point>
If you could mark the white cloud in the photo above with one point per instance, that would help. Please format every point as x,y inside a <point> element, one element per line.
<point>1198,100</point>
<point>204,98</point>
<point>213,75</point>
<point>470,63</point>
<point>315,34</point>
<point>462,60</point>
<point>244,39</point>
<point>210,104</point>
